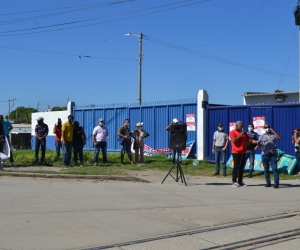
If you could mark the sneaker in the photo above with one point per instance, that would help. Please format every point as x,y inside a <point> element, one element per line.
<point>224,174</point>
<point>249,175</point>
<point>215,174</point>
<point>12,164</point>
<point>95,164</point>
<point>242,184</point>
<point>235,184</point>
<point>276,186</point>
<point>268,185</point>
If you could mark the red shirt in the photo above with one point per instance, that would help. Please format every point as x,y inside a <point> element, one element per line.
<point>58,133</point>
<point>239,146</point>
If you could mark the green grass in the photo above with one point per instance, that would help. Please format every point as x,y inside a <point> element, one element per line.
<point>25,158</point>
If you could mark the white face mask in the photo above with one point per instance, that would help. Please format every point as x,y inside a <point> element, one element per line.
<point>267,130</point>
<point>250,129</point>
<point>220,128</point>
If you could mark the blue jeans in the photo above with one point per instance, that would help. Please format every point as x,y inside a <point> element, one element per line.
<point>178,152</point>
<point>250,154</point>
<point>267,160</point>
<point>38,145</point>
<point>58,146</point>
<point>298,160</point>
<point>100,145</point>
<point>220,158</point>
<point>67,152</point>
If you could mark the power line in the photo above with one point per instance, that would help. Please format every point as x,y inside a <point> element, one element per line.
<point>61,13</point>
<point>235,29</point>
<point>217,58</point>
<point>68,54</point>
<point>104,22</point>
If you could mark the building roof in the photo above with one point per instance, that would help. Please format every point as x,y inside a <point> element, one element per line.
<point>268,94</point>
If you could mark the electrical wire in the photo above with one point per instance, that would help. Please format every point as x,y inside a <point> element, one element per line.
<point>67,54</point>
<point>235,29</point>
<point>61,13</point>
<point>111,21</point>
<point>216,58</point>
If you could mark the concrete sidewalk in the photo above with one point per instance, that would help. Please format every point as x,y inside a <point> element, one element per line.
<point>74,214</point>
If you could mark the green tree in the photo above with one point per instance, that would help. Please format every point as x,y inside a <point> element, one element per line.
<point>278,91</point>
<point>57,108</point>
<point>22,114</point>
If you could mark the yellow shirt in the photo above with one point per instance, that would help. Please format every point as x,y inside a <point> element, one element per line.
<point>67,131</point>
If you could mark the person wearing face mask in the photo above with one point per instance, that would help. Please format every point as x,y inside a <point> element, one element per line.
<point>67,130</point>
<point>57,132</point>
<point>268,154</point>
<point>251,147</point>
<point>41,131</point>
<point>79,140</point>
<point>220,142</point>
<point>296,144</point>
<point>100,134</point>
<point>124,134</point>
<point>238,150</point>
<point>139,134</point>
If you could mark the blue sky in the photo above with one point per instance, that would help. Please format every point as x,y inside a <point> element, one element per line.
<point>180,38</point>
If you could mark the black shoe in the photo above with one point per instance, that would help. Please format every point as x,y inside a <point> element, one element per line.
<point>215,174</point>
<point>268,185</point>
<point>224,174</point>
<point>249,175</point>
<point>276,186</point>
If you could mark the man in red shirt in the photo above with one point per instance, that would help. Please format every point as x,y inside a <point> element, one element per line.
<point>239,139</point>
<point>57,132</point>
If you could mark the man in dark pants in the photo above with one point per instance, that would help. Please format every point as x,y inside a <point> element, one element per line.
<point>124,133</point>
<point>238,146</point>
<point>41,131</point>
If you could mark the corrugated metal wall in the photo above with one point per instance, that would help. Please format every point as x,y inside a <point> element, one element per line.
<point>282,118</point>
<point>155,119</point>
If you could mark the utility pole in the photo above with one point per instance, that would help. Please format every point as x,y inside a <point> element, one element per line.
<point>10,100</point>
<point>297,22</point>
<point>37,106</point>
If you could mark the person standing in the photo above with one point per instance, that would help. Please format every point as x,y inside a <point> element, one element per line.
<point>174,152</point>
<point>268,154</point>
<point>124,135</point>
<point>41,131</point>
<point>1,144</point>
<point>220,143</point>
<point>7,127</point>
<point>100,134</point>
<point>57,132</point>
<point>238,146</point>
<point>296,143</point>
<point>139,134</point>
<point>251,148</point>
<point>67,130</point>
<point>79,140</point>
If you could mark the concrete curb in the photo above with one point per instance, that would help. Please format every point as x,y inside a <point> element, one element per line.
<point>72,176</point>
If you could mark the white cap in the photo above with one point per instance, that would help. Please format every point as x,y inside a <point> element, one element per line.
<point>175,120</point>
<point>139,124</point>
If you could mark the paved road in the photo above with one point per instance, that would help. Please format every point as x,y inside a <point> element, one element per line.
<point>73,214</point>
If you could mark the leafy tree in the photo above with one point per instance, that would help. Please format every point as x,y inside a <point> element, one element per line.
<point>22,114</point>
<point>278,91</point>
<point>57,108</point>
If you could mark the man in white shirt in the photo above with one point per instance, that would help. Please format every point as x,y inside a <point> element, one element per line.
<point>100,134</point>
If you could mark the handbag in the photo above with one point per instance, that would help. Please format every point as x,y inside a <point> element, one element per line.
<point>276,153</point>
<point>120,140</point>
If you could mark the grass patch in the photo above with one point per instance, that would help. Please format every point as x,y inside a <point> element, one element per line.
<point>24,158</point>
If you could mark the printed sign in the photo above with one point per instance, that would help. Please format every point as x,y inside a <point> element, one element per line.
<point>190,122</point>
<point>259,123</point>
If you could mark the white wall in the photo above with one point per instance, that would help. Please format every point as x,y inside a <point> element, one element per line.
<point>50,118</point>
<point>260,99</point>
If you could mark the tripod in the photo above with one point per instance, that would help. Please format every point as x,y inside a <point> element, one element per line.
<point>179,172</point>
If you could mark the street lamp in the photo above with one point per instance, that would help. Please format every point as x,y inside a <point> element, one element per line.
<point>140,36</point>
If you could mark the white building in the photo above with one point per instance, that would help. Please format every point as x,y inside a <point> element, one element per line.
<point>261,98</point>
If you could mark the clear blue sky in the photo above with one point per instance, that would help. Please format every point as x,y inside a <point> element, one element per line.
<point>254,33</point>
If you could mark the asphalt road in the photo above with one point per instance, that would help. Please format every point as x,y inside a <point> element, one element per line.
<point>92,214</point>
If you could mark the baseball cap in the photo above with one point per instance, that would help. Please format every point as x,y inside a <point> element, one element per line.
<point>40,119</point>
<point>175,120</point>
<point>139,124</point>
<point>220,125</point>
<point>70,116</point>
<point>100,120</point>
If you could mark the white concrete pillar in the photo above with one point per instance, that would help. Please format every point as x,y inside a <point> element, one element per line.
<point>201,124</point>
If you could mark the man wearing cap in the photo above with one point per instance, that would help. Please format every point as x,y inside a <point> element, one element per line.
<point>67,129</point>
<point>100,134</point>
<point>124,135</point>
<point>139,134</point>
<point>220,142</point>
<point>168,128</point>
<point>7,127</point>
<point>41,131</point>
